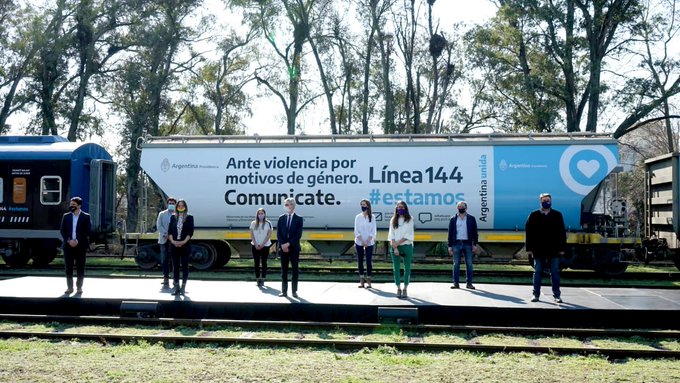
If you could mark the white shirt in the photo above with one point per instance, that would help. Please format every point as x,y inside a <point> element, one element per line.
<point>261,233</point>
<point>461,228</point>
<point>363,229</point>
<point>75,224</point>
<point>405,230</point>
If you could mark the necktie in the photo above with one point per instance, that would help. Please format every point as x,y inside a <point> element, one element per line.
<point>289,219</point>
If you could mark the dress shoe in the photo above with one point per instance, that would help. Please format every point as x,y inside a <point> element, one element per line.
<point>534,299</point>
<point>469,286</point>
<point>295,294</point>
<point>283,295</point>
<point>79,291</point>
<point>175,291</point>
<point>69,290</point>
<point>455,286</point>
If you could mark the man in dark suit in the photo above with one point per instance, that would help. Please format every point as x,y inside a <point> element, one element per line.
<point>288,234</point>
<point>75,231</point>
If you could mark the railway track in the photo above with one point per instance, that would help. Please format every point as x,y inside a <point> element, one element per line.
<point>411,344</point>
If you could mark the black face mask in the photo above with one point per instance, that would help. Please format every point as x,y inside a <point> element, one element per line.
<point>461,211</point>
<point>72,208</point>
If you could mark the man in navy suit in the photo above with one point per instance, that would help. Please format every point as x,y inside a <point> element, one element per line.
<point>288,234</point>
<point>463,238</point>
<point>75,231</point>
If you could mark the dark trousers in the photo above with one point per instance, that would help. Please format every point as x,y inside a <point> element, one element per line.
<point>261,256</point>
<point>541,264</point>
<point>180,254</point>
<point>294,259</point>
<point>74,255</point>
<point>165,259</point>
<point>368,251</point>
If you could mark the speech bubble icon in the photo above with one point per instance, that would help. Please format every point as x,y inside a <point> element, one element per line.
<point>425,217</point>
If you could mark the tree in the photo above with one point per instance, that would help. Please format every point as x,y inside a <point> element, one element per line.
<point>140,87</point>
<point>644,94</point>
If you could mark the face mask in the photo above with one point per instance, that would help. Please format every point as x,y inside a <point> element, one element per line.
<point>72,208</point>
<point>364,208</point>
<point>171,207</point>
<point>181,209</point>
<point>462,210</point>
<point>260,217</point>
<point>401,211</point>
<point>546,204</point>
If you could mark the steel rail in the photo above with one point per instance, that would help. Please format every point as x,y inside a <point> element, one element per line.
<point>173,322</point>
<point>569,274</point>
<point>107,338</point>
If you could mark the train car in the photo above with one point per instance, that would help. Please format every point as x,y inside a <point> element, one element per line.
<point>38,177</point>
<point>662,208</point>
<point>226,178</point>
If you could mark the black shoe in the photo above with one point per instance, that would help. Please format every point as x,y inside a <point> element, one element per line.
<point>182,290</point>
<point>558,300</point>
<point>175,291</point>
<point>283,295</point>
<point>534,299</point>
<point>295,294</point>
<point>69,290</point>
<point>79,290</point>
<point>469,286</point>
<point>455,286</point>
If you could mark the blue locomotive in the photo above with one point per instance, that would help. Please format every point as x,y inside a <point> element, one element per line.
<point>38,177</point>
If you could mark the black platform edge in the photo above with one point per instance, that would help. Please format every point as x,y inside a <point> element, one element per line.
<point>301,311</point>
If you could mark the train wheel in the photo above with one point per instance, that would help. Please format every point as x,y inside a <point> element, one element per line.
<point>17,255</point>
<point>612,265</point>
<point>146,258</point>
<point>43,252</point>
<point>203,256</point>
<point>223,253</point>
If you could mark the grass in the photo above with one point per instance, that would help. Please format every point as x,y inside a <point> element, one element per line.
<point>44,361</point>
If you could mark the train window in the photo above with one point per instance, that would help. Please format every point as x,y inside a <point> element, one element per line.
<point>19,190</point>
<point>50,190</point>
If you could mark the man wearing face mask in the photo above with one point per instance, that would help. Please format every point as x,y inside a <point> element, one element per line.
<point>463,238</point>
<point>162,224</point>
<point>288,235</point>
<point>75,231</point>
<point>546,241</point>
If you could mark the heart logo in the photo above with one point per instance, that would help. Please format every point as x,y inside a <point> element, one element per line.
<point>588,168</point>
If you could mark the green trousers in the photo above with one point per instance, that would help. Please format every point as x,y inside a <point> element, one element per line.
<point>405,253</point>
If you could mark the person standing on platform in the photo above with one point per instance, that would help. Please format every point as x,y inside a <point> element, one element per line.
<point>75,232</point>
<point>401,245</point>
<point>288,235</point>
<point>463,239</point>
<point>179,233</point>
<point>260,239</point>
<point>365,230</point>
<point>546,241</point>
<point>163,224</point>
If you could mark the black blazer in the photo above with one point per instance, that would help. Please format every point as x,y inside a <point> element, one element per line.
<point>187,228</point>
<point>83,229</point>
<point>292,235</point>
<point>546,235</point>
<point>471,222</point>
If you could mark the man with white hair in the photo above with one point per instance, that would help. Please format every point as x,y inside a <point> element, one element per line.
<point>463,238</point>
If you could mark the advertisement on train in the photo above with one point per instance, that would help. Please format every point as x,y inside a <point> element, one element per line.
<point>224,185</point>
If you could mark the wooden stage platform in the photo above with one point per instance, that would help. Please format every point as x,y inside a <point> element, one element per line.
<point>436,303</point>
